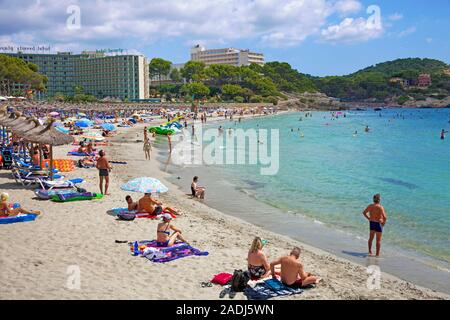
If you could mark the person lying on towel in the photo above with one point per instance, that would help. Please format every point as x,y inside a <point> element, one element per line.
<point>163,236</point>
<point>6,209</point>
<point>149,205</point>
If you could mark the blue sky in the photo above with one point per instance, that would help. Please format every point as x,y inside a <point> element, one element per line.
<point>319,37</point>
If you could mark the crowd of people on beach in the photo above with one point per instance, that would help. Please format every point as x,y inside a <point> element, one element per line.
<point>289,268</point>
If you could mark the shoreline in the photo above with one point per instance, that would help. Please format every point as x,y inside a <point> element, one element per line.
<point>83,234</point>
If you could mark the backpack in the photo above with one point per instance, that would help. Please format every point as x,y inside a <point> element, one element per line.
<point>126,216</point>
<point>239,280</point>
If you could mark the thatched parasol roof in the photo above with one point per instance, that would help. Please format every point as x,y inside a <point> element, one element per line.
<point>12,117</point>
<point>28,125</point>
<point>49,135</point>
<point>21,120</point>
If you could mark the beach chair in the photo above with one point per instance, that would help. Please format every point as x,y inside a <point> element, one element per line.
<point>50,185</point>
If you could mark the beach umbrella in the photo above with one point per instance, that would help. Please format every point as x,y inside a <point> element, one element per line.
<point>83,123</point>
<point>62,129</point>
<point>81,114</point>
<point>145,185</point>
<point>54,114</point>
<point>92,135</point>
<point>108,126</point>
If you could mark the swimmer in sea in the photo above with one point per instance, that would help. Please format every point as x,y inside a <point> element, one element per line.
<point>443,132</point>
<point>367,129</point>
<point>377,219</point>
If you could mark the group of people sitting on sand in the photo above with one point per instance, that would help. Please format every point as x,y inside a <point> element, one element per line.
<point>86,148</point>
<point>147,204</point>
<point>291,271</point>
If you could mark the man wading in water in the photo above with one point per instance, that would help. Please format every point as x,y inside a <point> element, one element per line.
<point>377,219</point>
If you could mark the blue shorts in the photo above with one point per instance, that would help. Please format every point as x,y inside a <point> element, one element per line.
<point>376,226</point>
<point>162,244</point>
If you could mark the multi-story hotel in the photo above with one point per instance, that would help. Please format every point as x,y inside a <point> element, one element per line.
<point>118,76</point>
<point>230,56</point>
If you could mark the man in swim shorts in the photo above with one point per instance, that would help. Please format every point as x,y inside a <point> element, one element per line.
<point>292,272</point>
<point>377,219</point>
<point>103,167</point>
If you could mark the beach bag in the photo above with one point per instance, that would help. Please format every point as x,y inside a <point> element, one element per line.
<point>239,280</point>
<point>126,216</point>
<point>222,278</point>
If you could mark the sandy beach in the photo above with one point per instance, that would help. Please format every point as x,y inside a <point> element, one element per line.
<point>37,258</point>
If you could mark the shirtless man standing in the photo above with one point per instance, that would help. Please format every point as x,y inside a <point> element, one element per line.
<point>104,168</point>
<point>292,272</point>
<point>377,219</point>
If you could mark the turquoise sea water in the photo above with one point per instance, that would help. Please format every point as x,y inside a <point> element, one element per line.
<point>330,174</point>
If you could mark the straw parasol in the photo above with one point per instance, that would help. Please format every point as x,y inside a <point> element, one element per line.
<point>49,135</point>
<point>29,124</point>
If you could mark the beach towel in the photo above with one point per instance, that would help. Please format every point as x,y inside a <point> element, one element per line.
<point>21,217</point>
<point>269,289</point>
<point>164,254</point>
<point>79,154</point>
<point>116,211</point>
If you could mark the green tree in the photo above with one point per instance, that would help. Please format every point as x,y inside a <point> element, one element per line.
<point>230,91</point>
<point>195,89</point>
<point>159,67</point>
<point>193,71</point>
<point>175,75</point>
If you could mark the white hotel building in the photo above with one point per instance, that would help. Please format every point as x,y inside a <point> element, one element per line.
<point>230,56</point>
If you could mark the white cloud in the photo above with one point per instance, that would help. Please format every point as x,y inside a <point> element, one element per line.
<point>347,6</point>
<point>139,23</point>
<point>429,40</point>
<point>395,17</point>
<point>407,32</point>
<point>352,30</point>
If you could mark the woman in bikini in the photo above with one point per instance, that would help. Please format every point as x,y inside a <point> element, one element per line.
<point>163,236</point>
<point>258,265</point>
<point>7,211</point>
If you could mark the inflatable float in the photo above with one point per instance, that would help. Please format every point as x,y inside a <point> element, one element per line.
<point>161,131</point>
<point>76,196</point>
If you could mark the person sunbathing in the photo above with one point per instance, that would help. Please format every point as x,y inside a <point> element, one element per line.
<point>6,209</point>
<point>292,272</point>
<point>82,148</point>
<point>131,204</point>
<point>197,191</point>
<point>258,266</point>
<point>163,236</point>
<point>90,148</point>
<point>149,205</point>
<point>86,162</point>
